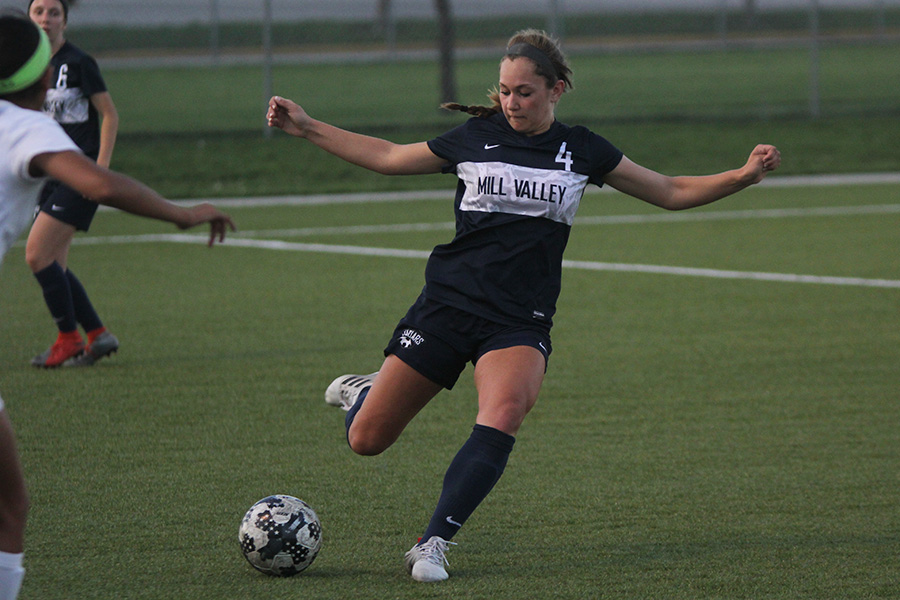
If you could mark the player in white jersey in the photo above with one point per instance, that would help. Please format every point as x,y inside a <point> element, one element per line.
<point>490,293</point>
<point>33,147</point>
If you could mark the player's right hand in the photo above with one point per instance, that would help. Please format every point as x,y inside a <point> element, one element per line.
<point>286,115</point>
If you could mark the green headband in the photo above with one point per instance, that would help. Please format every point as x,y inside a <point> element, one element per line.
<point>33,69</point>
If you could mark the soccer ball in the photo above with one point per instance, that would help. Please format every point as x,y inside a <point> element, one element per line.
<point>280,535</point>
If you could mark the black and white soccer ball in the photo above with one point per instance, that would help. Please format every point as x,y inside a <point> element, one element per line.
<point>280,535</point>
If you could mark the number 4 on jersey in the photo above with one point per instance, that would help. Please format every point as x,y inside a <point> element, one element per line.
<point>564,157</point>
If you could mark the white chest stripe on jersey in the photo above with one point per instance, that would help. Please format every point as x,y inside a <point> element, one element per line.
<point>66,105</point>
<point>517,190</point>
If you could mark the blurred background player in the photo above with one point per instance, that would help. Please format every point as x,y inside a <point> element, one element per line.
<point>33,147</point>
<point>490,294</point>
<point>79,101</point>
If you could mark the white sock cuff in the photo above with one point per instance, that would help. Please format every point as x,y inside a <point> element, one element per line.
<point>10,561</point>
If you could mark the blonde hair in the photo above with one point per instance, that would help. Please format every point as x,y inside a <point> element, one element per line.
<point>544,43</point>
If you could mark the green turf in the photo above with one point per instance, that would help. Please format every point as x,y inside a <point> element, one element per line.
<point>695,438</point>
<point>215,165</point>
<point>202,133</point>
<point>702,85</point>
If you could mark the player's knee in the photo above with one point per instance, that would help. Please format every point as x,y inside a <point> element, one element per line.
<point>365,446</point>
<point>38,256</point>
<point>506,415</point>
<point>35,260</point>
<point>367,441</point>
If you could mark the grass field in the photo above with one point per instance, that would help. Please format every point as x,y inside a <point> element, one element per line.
<point>706,86</point>
<point>720,436</point>
<point>678,113</point>
<point>696,437</point>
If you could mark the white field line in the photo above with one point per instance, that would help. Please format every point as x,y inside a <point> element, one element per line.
<point>730,215</point>
<point>569,264</point>
<point>241,239</point>
<point>721,274</point>
<point>447,194</point>
<point>348,230</point>
<point>667,217</point>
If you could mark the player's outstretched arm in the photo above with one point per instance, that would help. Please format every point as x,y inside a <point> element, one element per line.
<point>678,193</point>
<point>365,151</point>
<point>120,191</point>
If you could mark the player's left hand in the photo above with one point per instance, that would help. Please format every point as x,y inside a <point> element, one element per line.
<point>763,159</point>
<point>219,222</point>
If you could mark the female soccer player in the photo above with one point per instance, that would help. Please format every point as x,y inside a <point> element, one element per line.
<point>79,101</point>
<point>490,293</point>
<point>33,148</point>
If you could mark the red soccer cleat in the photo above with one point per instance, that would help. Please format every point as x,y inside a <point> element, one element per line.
<point>66,346</point>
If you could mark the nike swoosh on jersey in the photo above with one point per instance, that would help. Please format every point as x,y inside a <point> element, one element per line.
<point>491,146</point>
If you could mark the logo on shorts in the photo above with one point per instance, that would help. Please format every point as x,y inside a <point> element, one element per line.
<point>57,208</point>
<point>410,337</point>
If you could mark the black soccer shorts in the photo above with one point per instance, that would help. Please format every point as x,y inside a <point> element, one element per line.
<point>438,340</point>
<point>65,204</point>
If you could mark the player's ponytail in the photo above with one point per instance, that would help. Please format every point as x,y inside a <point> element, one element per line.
<point>543,50</point>
<point>478,111</point>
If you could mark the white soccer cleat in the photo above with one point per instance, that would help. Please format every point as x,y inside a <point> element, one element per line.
<point>425,562</point>
<point>345,390</point>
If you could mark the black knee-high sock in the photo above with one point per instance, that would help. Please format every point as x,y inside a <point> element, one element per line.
<point>476,468</point>
<point>351,414</point>
<point>58,296</point>
<point>84,310</point>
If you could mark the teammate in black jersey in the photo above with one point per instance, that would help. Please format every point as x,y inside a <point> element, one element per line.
<point>490,293</point>
<point>79,101</point>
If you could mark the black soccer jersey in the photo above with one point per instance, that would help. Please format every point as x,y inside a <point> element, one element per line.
<point>76,78</point>
<point>515,204</point>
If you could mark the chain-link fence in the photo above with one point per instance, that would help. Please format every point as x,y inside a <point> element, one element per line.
<point>841,49</point>
<point>396,21</point>
<point>228,27</point>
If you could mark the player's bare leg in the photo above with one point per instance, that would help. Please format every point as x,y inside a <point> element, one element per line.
<point>13,512</point>
<point>508,383</point>
<point>48,241</point>
<point>397,395</point>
